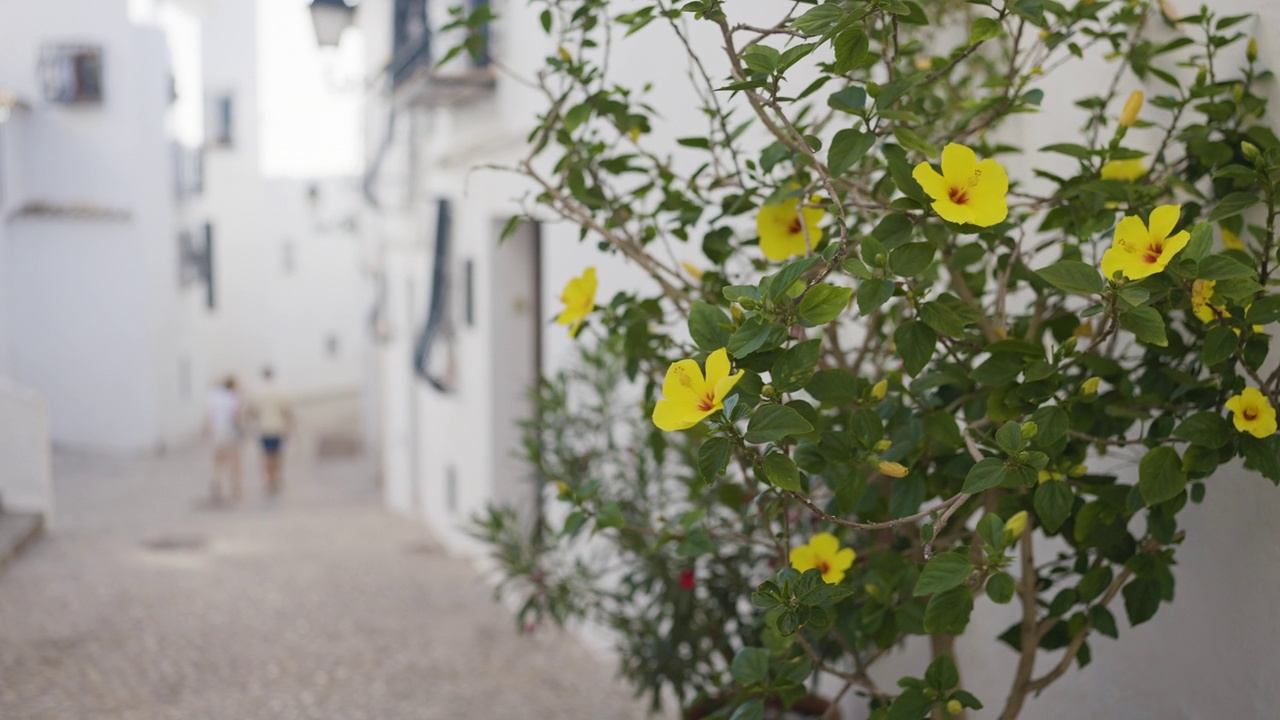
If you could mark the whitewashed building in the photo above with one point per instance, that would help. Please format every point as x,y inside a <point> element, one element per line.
<point>152,242</point>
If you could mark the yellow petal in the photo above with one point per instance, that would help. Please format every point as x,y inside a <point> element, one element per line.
<point>1113,261</point>
<point>684,382</point>
<point>825,546</point>
<point>992,178</point>
<point>1163,220</point>
<point>669,415</point>
<point>843,559</point>
<point>951,212</point>
<point>933,184</point>
<point>1172,246</point>
<point>1231,241</point>
<point>1125,170</point>
<point>717,367</point>
<point>722,388</point>
<point>958,165</point>
<point>802,558</point>
<point>1131,233</point>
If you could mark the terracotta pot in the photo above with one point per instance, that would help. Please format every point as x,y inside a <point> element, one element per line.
<point>809,707</point>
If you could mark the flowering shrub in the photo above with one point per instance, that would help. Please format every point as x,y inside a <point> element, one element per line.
<point>913,355</point>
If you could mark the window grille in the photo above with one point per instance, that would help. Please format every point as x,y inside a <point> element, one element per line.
<point>71,74</point>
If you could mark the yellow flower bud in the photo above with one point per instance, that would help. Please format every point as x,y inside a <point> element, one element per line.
<point>1015,526</point>
<point>690,268</point>
<point>879,389</point>
<point>564,54</point>
<point>954,707</point>
<point>634,134</point>
<point>893,469</point>
<point>1044,476</point>
<point>1132,107</point>
<point>1251,152</point>
<point>883,445</point>
<point>1251,50</point>
<point>563,487</point>
<point>1083,330</point>
<point>1090,386</point>
<point>736,313</point>
<point>1078,470</point>
<point>923,63</point>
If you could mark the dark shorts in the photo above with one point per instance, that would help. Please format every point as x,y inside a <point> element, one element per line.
<point>271,444</point>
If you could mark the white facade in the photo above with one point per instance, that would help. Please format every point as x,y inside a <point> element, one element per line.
<point>1210,654</point>
<point>96,319</point>
<point>97,311</point>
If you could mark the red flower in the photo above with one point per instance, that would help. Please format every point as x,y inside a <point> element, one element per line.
<point>686,580</point>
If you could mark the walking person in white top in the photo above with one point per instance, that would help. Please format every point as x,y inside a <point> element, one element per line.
<point>274,418</point>
<point>223,423</point>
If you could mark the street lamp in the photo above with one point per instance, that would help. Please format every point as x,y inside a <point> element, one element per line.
<point>330,18</point>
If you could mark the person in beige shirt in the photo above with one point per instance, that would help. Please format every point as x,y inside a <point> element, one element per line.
<point>273,416</point>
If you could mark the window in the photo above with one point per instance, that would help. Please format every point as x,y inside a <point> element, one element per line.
<point>222,121</point>
<point>71,74</point>
<point>411,42</point>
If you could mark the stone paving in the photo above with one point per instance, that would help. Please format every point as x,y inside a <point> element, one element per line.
<point>142,604</point>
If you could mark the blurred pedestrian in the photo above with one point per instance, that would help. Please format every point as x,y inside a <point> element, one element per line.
<point>224,427</point>
<point>274,416</point>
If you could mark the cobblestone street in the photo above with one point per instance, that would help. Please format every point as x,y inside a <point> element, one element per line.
<point>141,603</point>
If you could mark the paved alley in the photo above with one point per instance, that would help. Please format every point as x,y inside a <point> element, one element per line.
<point>143,604</point>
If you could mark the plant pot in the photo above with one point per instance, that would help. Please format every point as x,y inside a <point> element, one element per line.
<point>809,707</point>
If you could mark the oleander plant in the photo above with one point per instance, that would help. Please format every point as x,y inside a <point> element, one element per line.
<point>892,360</point>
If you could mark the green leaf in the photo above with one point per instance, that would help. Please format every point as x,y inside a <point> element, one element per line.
<point>984,475</point>
<point>851,48</point>
<point>781,471</point>
<point>942,673</point>
<point>1146,324</point>
<point>823,303</point>
<point>1001,588</point>
<point>713,458</point>
<point>852,99</point>
<point>1264,311</point>
<point>749,710</point>
<point>796,366</point>
<point>942,318</point>
<point>942,573</point>
<point>1053,502</point>
<point>773,422</point>
<point>948,613</point>
<point>753,335</point>
<point>1160,475</point>
<point>984,28</point>
<point>1220,343</point>
<point>750,666</point>
<point>708,326</point>
<point>780,282</point>
<point>609,516</point>
<point>891,93</point>
<point>1262,455</point>
<point>1201,242</point>
<point>916,343</point>
<point>911,259</point>
<point>695,544</point>
<point>1233,205</point>
<point>1224,267</point>
<point>1074,277</point>
<point>911,140</point>
<point>910,705</point>
<point>1205,428</point>
<point>1141,599</point>
<point>872,294</point>
<point>847,148</point>
<point>991,529</point>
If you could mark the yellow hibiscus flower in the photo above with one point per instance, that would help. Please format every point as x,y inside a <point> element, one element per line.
<point>1252,413</point>
<point>1126,170</point>
<point>787,229</point>
<point>1139,251</point>
<point>688,397</point>
<point>579,298</point>
<point>967,191</point>
<point>824,553</point>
